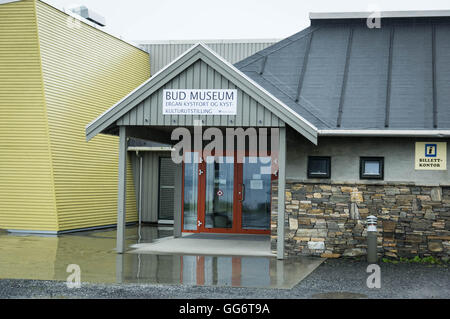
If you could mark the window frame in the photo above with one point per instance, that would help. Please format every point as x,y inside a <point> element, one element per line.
<point>312,175</point>
<point>364,159</point>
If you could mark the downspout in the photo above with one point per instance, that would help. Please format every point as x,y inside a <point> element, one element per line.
<point>139,210</point>
<point>140,197</point>
<point>140,190</point>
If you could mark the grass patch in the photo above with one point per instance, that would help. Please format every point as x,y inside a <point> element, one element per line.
<point>430,260</point>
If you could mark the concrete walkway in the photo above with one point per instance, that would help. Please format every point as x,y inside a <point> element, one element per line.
<point>209,244</point>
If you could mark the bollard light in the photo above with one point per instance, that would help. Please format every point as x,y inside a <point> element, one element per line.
<point>371,239</point>
<point>371,223</point>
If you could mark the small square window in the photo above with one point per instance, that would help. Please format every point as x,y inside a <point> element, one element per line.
<point>371,168</point>
<point>319,167</point>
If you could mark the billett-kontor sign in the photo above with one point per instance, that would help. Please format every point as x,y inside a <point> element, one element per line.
<point>431,156</point>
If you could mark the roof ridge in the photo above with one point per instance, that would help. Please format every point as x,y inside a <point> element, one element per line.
<point>311,110</point>
<point>281,44</point>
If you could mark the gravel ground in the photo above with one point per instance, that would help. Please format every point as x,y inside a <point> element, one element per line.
<point>333,279</point>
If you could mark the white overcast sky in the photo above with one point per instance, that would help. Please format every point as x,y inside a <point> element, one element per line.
<point>226,19</point>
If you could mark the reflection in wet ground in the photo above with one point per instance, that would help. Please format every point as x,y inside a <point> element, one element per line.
<point>339,295</point>
<point>47,258</point>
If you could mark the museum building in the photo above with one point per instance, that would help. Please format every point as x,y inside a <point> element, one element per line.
<point>356,118</point>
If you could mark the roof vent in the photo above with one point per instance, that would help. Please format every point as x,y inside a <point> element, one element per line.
<point>90,15</point>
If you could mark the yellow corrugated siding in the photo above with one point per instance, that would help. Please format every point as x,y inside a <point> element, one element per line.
<point>85,72</point>
<point>27,197</point>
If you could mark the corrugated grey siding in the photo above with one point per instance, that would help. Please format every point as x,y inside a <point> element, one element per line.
<point>150,185</point>
<point>201,76</point>
<point>166,188</point>
<point>162,54</point>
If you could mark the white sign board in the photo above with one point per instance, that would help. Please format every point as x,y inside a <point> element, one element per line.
<point>200,102</point>
<point>431,156</point>
<point>256,184</point>
<point>266,170</point>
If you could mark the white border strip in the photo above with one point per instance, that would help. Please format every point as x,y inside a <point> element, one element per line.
<point>382,14</point>
<point>416,133</point>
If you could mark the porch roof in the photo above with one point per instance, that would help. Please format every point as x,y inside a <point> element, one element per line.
<point>108,121</point>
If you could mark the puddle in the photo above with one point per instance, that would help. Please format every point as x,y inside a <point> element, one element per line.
<point>339,295</point>
<point>47,258</point>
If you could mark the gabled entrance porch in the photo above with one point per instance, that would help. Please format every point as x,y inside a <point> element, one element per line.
<point>237,203</point>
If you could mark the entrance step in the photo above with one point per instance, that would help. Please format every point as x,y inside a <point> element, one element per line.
<point>210,244</point>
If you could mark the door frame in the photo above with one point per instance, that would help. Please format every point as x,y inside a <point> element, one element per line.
<point>237,206</point>
<point>240,178</point>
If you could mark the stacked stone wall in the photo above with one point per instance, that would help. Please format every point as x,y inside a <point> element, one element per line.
<point>329,220</point>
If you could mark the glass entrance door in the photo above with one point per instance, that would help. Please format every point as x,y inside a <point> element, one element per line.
<point>223,196</point>
<point>190,191</point>
<point>219,192</point>
<point>256,194</point>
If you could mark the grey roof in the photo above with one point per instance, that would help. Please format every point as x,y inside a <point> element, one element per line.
<point>340,75</point>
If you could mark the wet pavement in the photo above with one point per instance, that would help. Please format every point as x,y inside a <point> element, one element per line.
<point>333,279</point>
<point>47,258</point>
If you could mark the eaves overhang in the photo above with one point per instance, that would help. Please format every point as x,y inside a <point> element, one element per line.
<point>379,14</point>
<point>199,51</point>
<point>386,133</point>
